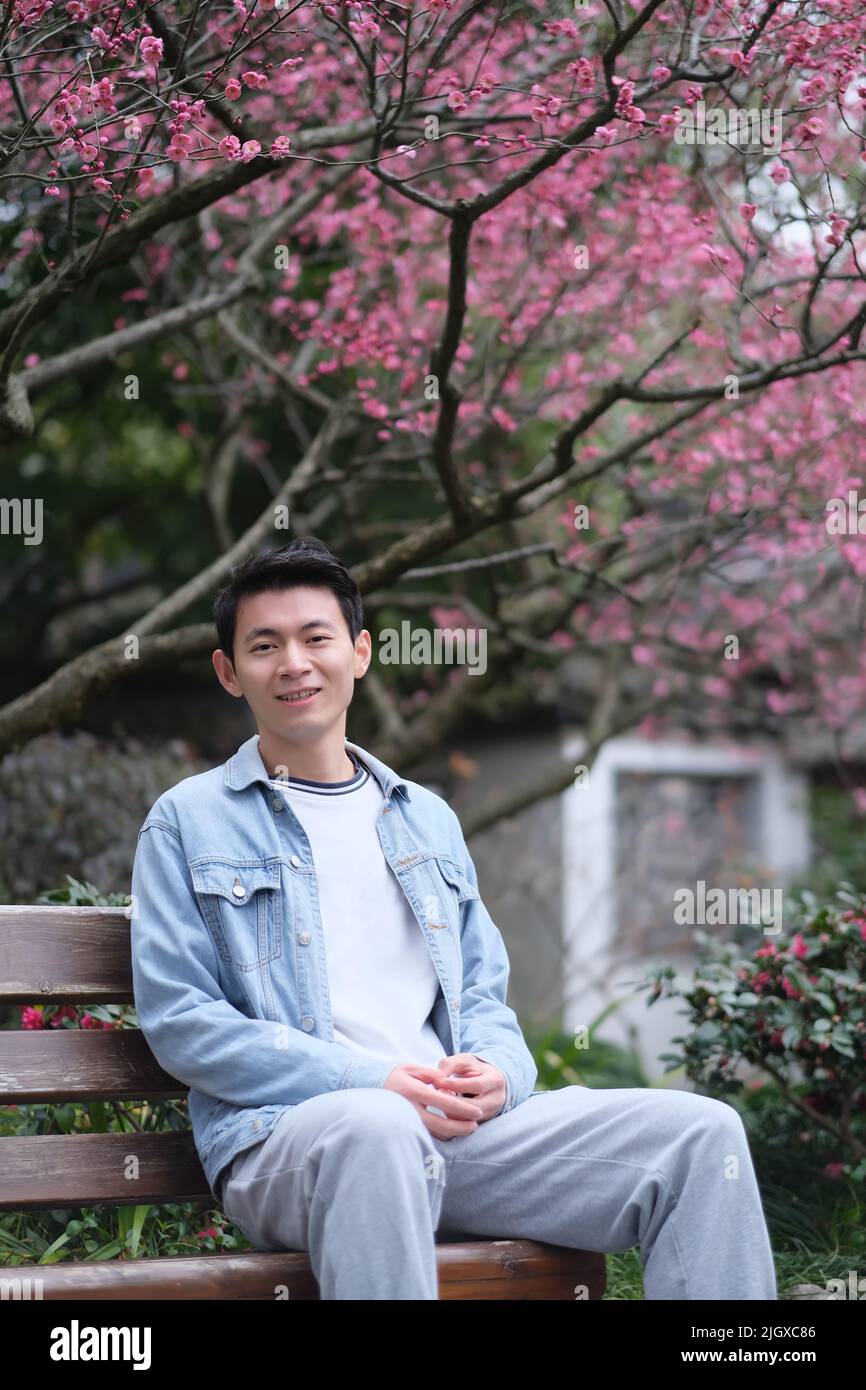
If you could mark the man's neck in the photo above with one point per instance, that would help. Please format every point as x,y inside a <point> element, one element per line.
<point>331,764</point>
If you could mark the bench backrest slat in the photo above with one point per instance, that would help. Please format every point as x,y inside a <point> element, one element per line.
<point>65,955</point>
<point>43,1066</point>
<point>70,1170</point>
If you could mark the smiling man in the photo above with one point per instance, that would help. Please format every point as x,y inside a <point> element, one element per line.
<point>311,956</point>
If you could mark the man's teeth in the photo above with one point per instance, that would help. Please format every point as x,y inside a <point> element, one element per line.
<point>300,695</point>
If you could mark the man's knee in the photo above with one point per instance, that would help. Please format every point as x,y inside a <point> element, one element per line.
<point>371,1112</point>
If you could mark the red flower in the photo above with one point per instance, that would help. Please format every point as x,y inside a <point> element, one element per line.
<point>833,1170</point>
<point>799,947</point>
<point>31,1017</point>
<point>67,1011</point>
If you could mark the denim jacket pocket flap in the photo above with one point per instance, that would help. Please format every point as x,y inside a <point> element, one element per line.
<point>234,881</point>
<point>456,876</point>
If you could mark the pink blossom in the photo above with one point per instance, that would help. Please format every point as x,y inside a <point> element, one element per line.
<point>502,418</point>
<point>364,28</point>
<point>457,101</point>
<point>233,89</point>
<point>249,150</point>
<point>230,146</point>
<point>151,49</point>
<point>747,211</point>
<point>811,129</point>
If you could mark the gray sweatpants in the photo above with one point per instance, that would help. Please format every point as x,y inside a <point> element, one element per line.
<point>354,1178</point>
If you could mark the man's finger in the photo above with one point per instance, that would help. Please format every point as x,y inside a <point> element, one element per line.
<point>448,1102</point>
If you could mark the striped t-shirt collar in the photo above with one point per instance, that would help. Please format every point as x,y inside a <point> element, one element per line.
<point>358,778</point>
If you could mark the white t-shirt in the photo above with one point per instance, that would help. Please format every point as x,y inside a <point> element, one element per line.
<point>381,980</point>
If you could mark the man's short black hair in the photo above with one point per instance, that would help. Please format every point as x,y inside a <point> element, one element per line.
<point>305,560</point>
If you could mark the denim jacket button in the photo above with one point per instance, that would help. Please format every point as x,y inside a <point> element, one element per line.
<point>305,938</point>
<point>277,803</point>
<point>295,861</point>
<point>238,890</point>
<point>307,1023</point>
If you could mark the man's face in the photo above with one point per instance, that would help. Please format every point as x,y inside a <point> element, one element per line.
<point>292,640</point>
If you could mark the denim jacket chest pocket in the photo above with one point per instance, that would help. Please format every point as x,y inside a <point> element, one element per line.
<point>450,890</point>
<point>241,902</point>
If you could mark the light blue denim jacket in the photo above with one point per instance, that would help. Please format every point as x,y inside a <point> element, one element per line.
<point>228,953</point>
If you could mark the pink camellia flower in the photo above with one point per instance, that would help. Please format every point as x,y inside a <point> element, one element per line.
<point>789,989</point>
<point>779,174</point>
<point>151,49</point>
<point>798,947</point>
<point>747,211</point>
<point>233,89</point>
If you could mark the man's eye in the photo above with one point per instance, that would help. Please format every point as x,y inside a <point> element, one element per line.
<point>320,638</point>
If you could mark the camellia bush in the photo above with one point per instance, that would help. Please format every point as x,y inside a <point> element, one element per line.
<point>794,1008</point>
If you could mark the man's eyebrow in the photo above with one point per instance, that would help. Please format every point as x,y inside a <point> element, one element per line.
<point>274,632</point>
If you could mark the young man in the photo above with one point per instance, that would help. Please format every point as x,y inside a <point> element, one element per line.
<point>311,956</point>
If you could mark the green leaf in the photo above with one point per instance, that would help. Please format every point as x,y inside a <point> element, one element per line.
<point>54,1252</point>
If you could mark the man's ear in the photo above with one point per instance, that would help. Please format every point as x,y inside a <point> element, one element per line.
<point>225,672</point>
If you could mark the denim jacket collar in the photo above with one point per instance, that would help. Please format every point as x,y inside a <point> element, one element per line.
<point>246,766</point>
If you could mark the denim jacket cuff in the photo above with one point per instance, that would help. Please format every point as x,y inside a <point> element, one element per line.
<point>365,1071</point>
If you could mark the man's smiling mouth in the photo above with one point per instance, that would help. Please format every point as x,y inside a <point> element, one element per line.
<point>301,697</point>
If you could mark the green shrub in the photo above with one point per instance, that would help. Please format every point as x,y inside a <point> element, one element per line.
<point>795,1009</point>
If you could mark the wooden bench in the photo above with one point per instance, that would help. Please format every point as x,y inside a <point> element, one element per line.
<point>81,956</point>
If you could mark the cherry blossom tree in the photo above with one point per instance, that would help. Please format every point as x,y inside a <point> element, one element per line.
<point>586,279</point>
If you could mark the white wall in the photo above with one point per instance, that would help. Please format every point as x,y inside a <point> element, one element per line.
<point>592,975</point>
